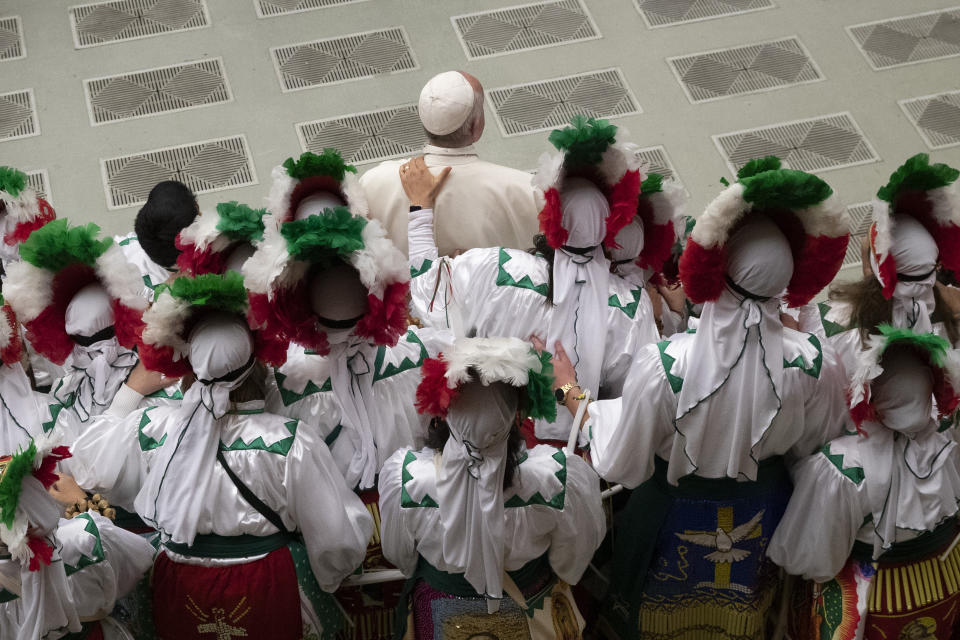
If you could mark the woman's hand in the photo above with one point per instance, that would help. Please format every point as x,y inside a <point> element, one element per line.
<point>420,185</point>
<point>145,382</point>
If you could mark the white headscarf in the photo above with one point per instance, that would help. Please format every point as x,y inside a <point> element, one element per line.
<point>48,603</point>
<point>732,392</point>
<point>470,484</point>
<point>915,253</point>
<point>337,294</point>
<point>581,286</point>
<point>624,259</point>
<point>96,370</point>
<point>904,431</point>
<point>221,355</point>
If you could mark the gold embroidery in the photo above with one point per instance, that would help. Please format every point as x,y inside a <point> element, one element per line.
<point>222,624</point>
<point>506,625</point>
<point>723,540</point>
<point>920,629</point>
<point>564,619</point>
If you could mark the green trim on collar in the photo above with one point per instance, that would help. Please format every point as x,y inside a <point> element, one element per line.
<point>97,556</point>
<point>830,328</point>
<point>855,474</point>
<point>57,407</point>
<point>406,502</point>
<point>330,439</point>
<point>126,241</point>
<point>504,279</point>
<point>146,442</point>
<point>281,447</point>
<point>289,397</point>
<point>416,273</point>
<point>163,395</point>
<point>676,382</point>
<point>814,369</point>
<point>630,309</point>
<point>556,501</point>
<point>380,372</point>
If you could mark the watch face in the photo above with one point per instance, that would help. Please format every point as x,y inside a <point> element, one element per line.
<point>559,395</point>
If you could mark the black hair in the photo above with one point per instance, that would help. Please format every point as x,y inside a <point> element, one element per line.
<point>170,207</point>
<point>542,247</point>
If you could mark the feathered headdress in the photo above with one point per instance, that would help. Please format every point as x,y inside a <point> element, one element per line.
<point>11,346</point>
<point>297,179</point>
<point>660,208</point>
<point>206,244</point>
<point>278,276</point>
<point>176,309</point>
<point>57,261</point>
<point>937,352</point>
<point>508,360</point>
<point>39,459</point>
<point>929,193</point>
<point>588,148</point>
<point>802,205</point>
<point>25,211</point>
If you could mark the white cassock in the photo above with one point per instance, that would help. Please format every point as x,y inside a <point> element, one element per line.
<point>481,204</point>
<point>360,393</point>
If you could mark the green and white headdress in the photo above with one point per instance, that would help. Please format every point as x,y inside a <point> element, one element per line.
<point>212,243</point>
<point>22,211</point>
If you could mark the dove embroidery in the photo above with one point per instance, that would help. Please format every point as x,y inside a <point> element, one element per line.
<point>723,541</point>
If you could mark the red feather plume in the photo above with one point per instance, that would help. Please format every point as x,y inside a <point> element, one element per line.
<point>815,267</point>
<point>385,320</point>
<point>623,205</point>
<point>551,219</point>
<point>42,553</point>
<point>702,272</point>
<point>23,230</point>
<point>12,353</point>
<point>433,394</point>
<point>45,472</point>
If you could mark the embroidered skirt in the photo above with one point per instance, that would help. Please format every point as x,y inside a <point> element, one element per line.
<point>690,561</point>
<point>908,594</point>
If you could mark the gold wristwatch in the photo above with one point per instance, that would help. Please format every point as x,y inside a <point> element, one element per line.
<point>561,393</point>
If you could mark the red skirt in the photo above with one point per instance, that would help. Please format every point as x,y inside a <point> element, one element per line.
<point>258,599</point>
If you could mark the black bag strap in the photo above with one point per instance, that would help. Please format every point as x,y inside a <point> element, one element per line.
<point>251,497</point>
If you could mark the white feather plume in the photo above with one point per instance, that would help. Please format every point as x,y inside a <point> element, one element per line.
<point>22,208</point>
<point>713,226</point>
<point>549,171</point>
<point>507,360</point>
<point>28,289</point>
<point>203,231</point>
<point>945,203</point>
<point>379,263</point>
<point>354,195</point>
<point>883,223</point>
<point>165,321</point>
<point>281,188</point>
<point>269,261</point>
<point>120,278</point>
<point>827,218</point>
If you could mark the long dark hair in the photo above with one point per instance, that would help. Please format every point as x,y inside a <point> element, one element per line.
<point>439,432</point>
<point>543,248</point>
<point>868,307</point>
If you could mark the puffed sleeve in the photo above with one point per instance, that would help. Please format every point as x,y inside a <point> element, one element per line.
<point>625,337</point>
<point>625,433</point>
<point>580,526</point>
<point>825,412</point>
<point>335,524</point>
<point>817,532</point>
<point>396,534</point>
<point>107,456</point>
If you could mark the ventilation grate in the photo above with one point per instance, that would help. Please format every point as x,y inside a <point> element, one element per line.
<point>120,20</point>
<point>156,91</point>
<point>271,8</point>
<point>909,39</point>
<point>39,181</point>
<point>210,165</point>
<point>860,216</point>
<point>547,104</point>
<point>367,137</point>
<point>353,57</point>
<point>11,39</point>
<point>659,162</point>
<point>667,13</point>
<point>936,118</point>
<point>817,144</point>
<point>522,28</point>
<point>749,69</point>
<point>18,115</point>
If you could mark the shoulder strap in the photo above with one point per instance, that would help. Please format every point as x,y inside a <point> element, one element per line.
<point>272,516</point>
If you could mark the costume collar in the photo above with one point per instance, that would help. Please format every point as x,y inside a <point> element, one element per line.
<point>468,150</point>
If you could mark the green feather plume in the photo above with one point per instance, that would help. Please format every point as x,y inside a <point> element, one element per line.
<point>329,163</point>
<point>239,222</point>
<point>319,238</point>
<point>11,484</point>
<point>13,181</point>
<point>541,401</point>
<point>57,245</point>
<point>221,292</point>
<point>584,141</point>
<point>786,188</point>
<point>653,184</point>
<point>758,165</point>
<point>917,174</point>
<point>933,345</point>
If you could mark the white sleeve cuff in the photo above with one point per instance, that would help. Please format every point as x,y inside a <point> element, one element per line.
<point>420,242</point>
<point>125,402</point>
